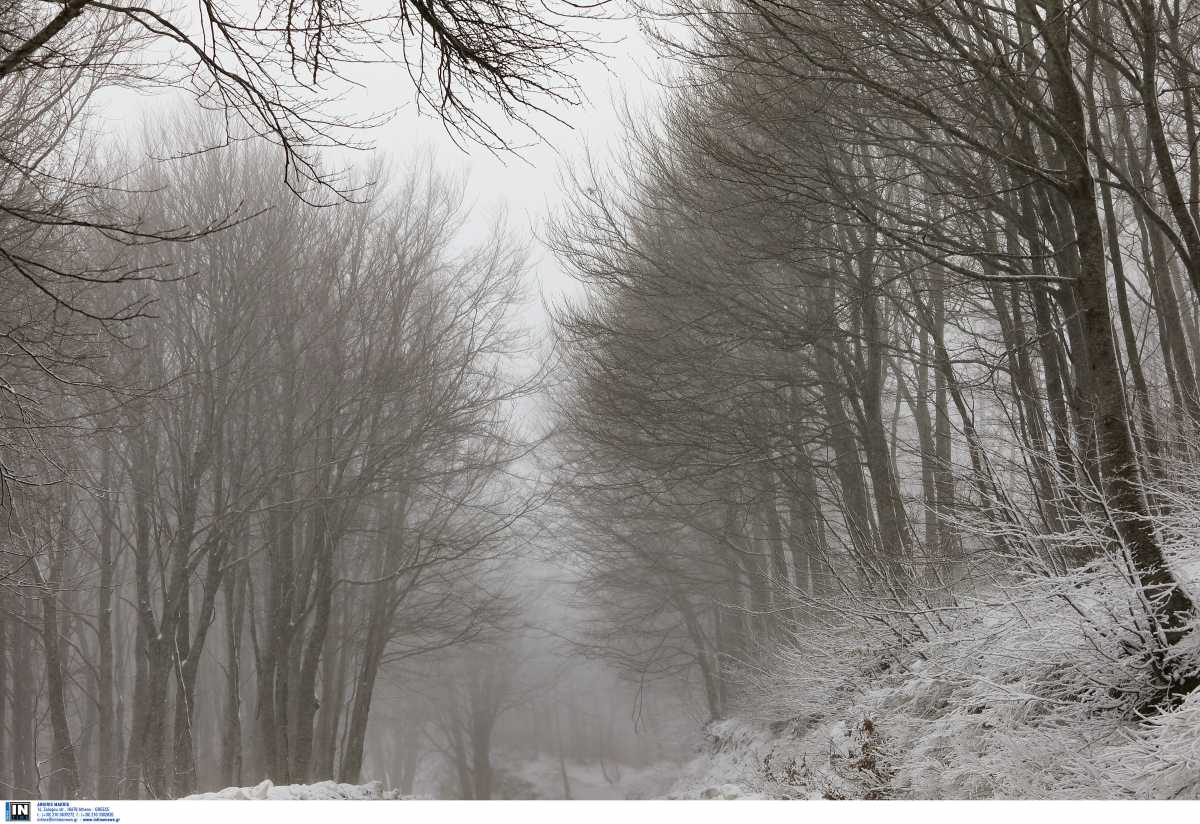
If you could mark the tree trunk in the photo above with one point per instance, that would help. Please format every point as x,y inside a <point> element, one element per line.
<point>231,732</point>
<point>24,705</point>
<point>106,768</point>
<point>64,779</point>
<point>1171,608</point>
<point>5,739</point>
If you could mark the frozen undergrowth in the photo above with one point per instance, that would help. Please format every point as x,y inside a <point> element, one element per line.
<point>321,791</point>
<point>1035,691</point>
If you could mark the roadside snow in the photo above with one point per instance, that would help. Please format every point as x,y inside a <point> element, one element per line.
<point>321,791</point>
<point>542,777</point>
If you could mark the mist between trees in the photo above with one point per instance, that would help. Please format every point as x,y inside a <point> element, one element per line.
<point>887,350</point>
<point>263,489</point>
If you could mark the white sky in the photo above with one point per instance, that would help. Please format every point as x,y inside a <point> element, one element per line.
<point>529,184</point>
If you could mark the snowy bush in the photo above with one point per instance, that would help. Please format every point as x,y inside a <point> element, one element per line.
<point>1037,685</point>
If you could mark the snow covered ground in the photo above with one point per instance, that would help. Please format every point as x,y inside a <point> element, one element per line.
<point>321,791</point>
<point>537,778</point>
<point>751,761</point>
<point>592,781</point>
<point>1031,693</point>
<point>1037,689</point>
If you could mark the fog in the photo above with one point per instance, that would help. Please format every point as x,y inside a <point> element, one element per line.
<point>280,506</point>
<point>494,400</point>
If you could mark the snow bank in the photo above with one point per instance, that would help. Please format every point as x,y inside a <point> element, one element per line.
<point>1038,690</point>
<point>321,791</point>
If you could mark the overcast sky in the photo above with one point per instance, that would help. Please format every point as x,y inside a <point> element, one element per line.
<point>529,183</point>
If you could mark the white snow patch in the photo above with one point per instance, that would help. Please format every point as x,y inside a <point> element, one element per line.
<point>321,791</point>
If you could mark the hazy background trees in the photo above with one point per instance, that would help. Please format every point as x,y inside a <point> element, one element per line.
<point>255,455</point>
<point>301,470</point>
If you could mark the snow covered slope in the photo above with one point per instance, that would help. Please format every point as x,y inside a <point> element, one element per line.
<point>1036,692</point>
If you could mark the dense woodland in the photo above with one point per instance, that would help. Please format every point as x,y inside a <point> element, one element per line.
<point>895,318</point>
<point>890,317</point>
